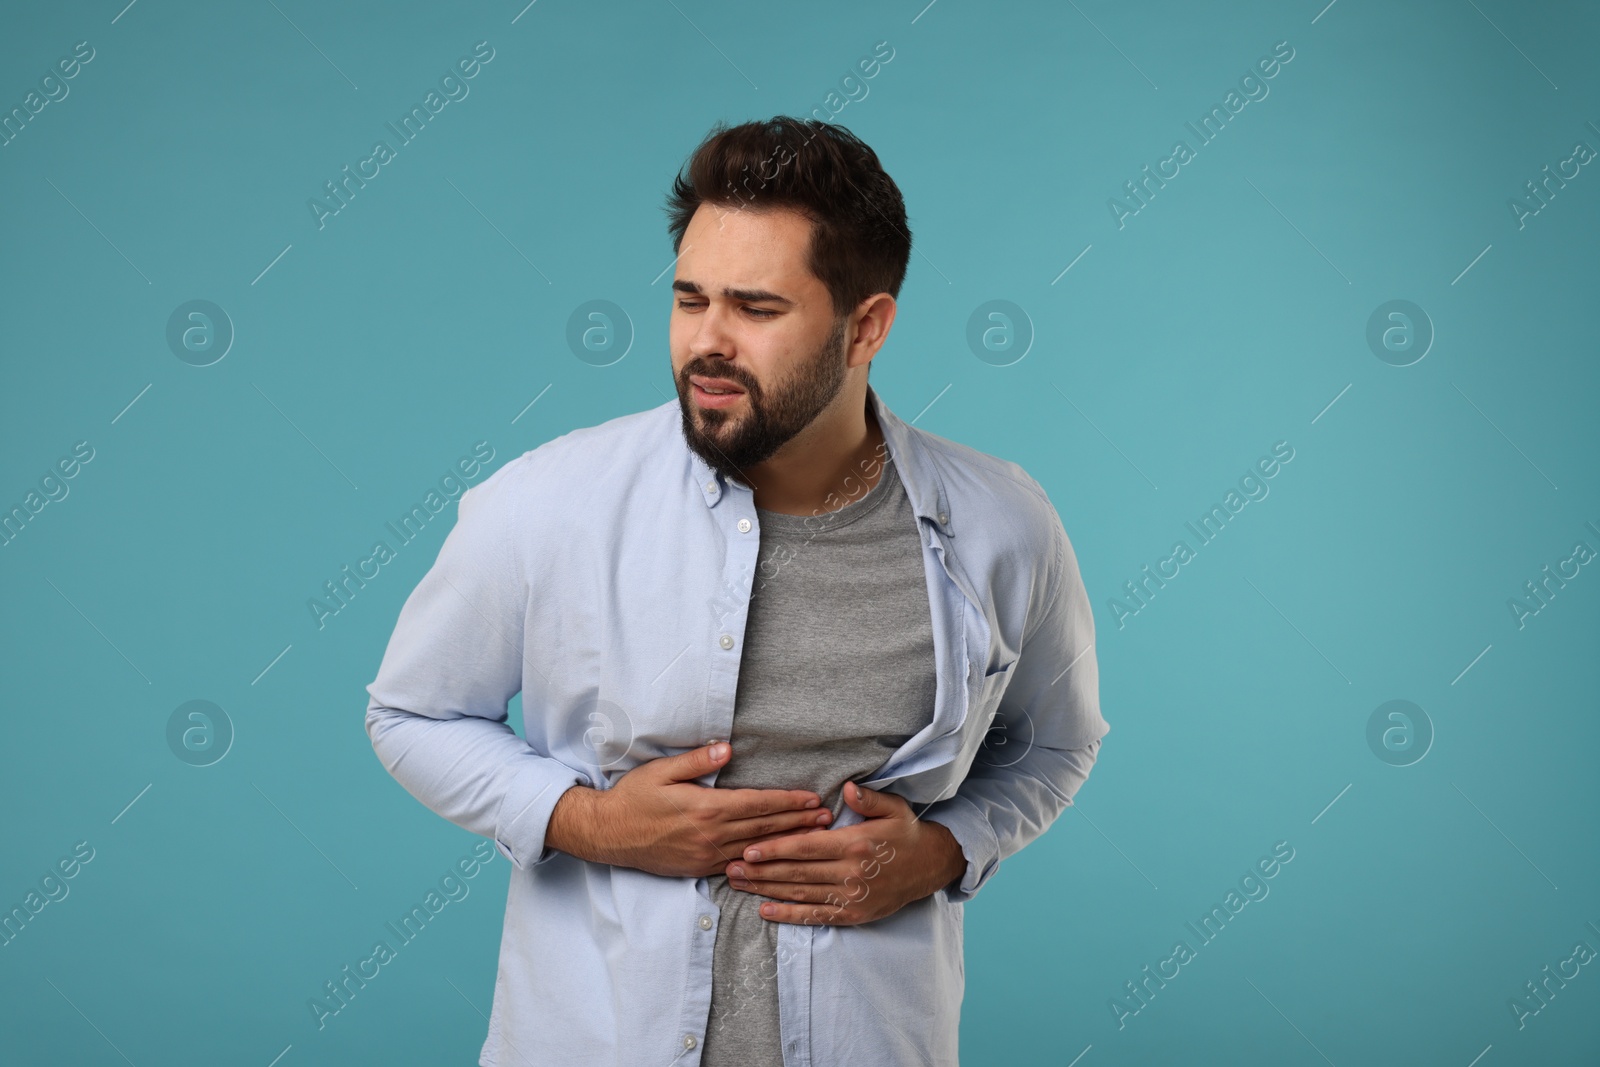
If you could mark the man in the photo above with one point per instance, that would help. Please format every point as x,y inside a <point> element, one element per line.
<point>778,563</point>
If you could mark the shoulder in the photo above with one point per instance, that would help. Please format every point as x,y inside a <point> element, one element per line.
<point>586,458</point>
<point>1007,534</point>
<point>987,489</point>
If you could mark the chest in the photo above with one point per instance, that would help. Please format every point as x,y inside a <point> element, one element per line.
<point>637,649</point>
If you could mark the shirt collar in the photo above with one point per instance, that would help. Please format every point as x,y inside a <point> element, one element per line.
<point>918,472</point>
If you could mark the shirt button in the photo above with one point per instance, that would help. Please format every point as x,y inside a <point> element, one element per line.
<point>688,1041</point>
<point>943,518</point>
<point>711,487</point>
<point>705,922</point>
<point>744,525</point>
<point>726,640</point>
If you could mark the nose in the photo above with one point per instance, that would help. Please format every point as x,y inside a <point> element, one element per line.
<point>711,337</point>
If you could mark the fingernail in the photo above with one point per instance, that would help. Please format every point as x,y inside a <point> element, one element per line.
<point>752,854</point>
<point>737,871</point>
<point>813,802</point>
<point>718,751</point>
<point>824,817</point>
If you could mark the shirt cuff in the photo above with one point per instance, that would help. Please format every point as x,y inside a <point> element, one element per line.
<point>525,811</point>
<point>978,844</point>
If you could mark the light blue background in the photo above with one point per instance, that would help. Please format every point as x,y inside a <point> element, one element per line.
<point>1229,314</point>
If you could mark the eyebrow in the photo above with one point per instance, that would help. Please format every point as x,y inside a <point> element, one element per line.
<point>761,296</point>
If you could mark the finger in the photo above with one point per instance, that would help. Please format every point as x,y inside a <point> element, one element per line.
<point>780,822</point>
<point>851,867</point>
<point>736,848</point>
<point>796,892</point>
<point>812,872</point>
<point>802,846</point>
<point>811,914</point>
<point>750,803</point>
<point>695,763</point>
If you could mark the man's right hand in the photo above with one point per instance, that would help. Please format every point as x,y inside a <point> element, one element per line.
<point>657,819</point>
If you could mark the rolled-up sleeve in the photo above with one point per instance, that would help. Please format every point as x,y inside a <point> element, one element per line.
<point>1050,710</point>
<point>438,709</point>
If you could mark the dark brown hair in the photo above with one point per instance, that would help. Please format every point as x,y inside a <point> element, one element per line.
<point>860,243</point>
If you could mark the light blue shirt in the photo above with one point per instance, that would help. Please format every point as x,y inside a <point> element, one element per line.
<point>606,575</point>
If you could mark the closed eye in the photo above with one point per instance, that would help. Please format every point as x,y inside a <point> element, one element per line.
<point>760,313</point>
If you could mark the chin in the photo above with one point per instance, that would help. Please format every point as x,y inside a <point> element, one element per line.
<point>715,418</point>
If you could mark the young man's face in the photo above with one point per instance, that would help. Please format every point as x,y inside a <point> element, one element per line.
<point>748,316</point>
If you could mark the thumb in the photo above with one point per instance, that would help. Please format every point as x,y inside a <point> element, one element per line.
<point>870,802</point>
<point>687,766</point>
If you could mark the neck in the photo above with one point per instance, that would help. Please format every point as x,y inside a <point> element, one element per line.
<point>831,463</point>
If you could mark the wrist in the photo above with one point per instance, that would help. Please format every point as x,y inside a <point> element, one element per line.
<point>573,822</point>
<point>950,862</point>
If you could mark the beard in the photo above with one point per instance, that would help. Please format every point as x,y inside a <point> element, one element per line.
<point>732,440</point>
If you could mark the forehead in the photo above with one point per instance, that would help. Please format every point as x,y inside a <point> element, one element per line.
<point>729,245</point>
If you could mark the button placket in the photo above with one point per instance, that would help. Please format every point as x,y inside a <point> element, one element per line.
<point>730,604</point>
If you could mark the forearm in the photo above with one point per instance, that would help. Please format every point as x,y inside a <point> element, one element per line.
<point>477,773</point>
<point>999,810</point>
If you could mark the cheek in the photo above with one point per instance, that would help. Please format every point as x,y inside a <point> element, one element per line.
<point>678,336</point>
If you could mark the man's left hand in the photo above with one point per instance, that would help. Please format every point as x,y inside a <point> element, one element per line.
<point>853,874</point>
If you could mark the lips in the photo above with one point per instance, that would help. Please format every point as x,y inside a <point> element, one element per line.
<point>716,385</point>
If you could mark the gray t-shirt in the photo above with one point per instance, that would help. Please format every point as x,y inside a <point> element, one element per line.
<point>836,674</point>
